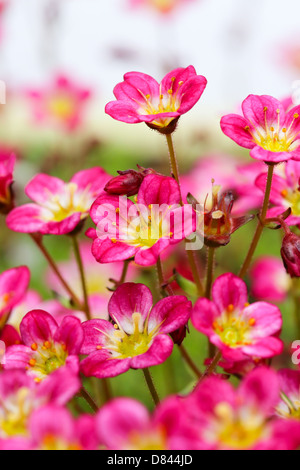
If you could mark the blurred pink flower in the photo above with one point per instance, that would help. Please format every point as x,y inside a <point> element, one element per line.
<point>58,207</point>
<point>285,192</point>
<point>97,275</point>
<point>13,287</point>
<point>225,418</point>
<point>7,164</point>
<point>269,279</point>
<point>61,103</point>
<point>162,6</point>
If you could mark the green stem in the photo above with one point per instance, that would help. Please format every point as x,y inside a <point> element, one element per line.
<point>195,272</point>
<point>173,161</point>
<point>55,269</point>
<point>160,275</point>
<point>87,397</point>
<point>124,271</point>
<point>260,225</point>
<point>190,254</point>
<point>209,280</point>
<point>151,386</point>
<point>212,366</point>
<point>296,300</point>
<point>107,392</point>
<point>190,361</point>
<point>209,271</point>
<point>82,277</point>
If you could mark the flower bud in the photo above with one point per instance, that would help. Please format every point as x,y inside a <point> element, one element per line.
<point>126,184</point>
<point>290,253</point>
<point>218,221</point>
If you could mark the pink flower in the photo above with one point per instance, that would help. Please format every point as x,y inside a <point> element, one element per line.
<point>289,404</point>
<point>142,230</point>
<point>46,346</point>
<point>61,103</point>
<point>269,279</point>
<point>230,174</point>
<point>139,338</point>
<point>13,287</point>
<point>20,396</point>
<point>7,164</point>
<point>97,278</point>
<point>285,192</point>
<point>58,206</point>
<point>227,419</point>
<point>266,129</point>
<point>54,428</point>
<point>125,424</point>
<point>238,329</point>
<point>140,98</point>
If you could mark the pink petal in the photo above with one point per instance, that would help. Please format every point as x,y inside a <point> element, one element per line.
<point>234,126</point>
<point>26,219</point>
<point>254,107</point>
<point>158,352</point>
<point>100,364</point>
<point>260,388</point>
<point>43,186</point>
<point>37,326</point>
<point>268,319</point>
<point>261,154</point>
<point>122,111</point>
<point>70,333</point>
<point>171,312</point>
<point>190,92</point>
<point>92,180</point>
<point>130,298</point>
<point>227,290</point>
<point>203,315</point>
<point>119,419</point>
<point>94,334</point>
<point>157,189</point>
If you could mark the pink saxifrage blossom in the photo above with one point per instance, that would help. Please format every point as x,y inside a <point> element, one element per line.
<point>46,346</point>
<point>58,207</point>
<point>13,287</point>
<point>238,329</point>
<point>271,133</point>
<point>139,336</point>
<point>142,230</point>
<point>140,98</point>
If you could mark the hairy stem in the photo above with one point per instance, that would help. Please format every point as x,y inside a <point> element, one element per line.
<point>55,269</point>
<point>82,277</point>
<point>190,361</point>
<point>151,386</point>
<point>260,225</point>
<point>87,397</point>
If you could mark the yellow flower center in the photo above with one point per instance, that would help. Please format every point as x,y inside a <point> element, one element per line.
<point>289,407</point>
<point>61,107</point>
<point>51,442</point>
<point>163,5</point>
<point>239,429</point>
<point>4,299</point>
<point>47,358</point>
<point>14,412</point>
<point>60,206</point>
<point>292,197</point>
<point>164,103</point>
<point>123,345</point>
<point>152,440</point>
<point>233,328</point>
<point>146,229</point>
<point>275,138</point>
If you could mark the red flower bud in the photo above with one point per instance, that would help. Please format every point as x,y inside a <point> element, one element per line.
<point>290,252</point>
<point>126,184</point>
<point>179,335</point>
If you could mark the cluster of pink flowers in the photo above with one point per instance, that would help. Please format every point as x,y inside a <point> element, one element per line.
<point>53,348</point>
